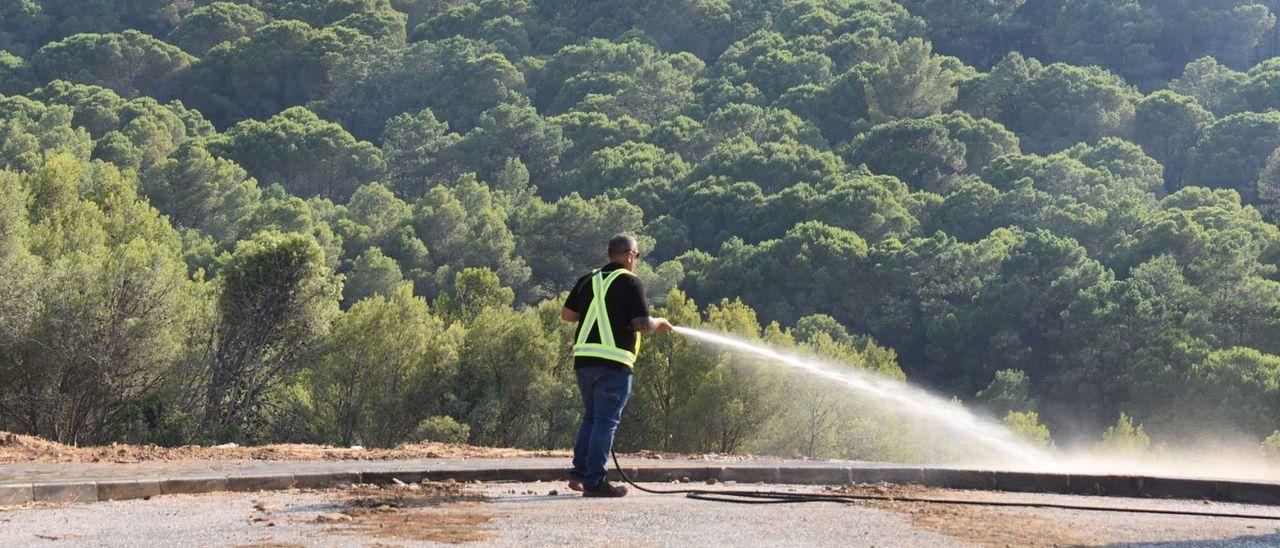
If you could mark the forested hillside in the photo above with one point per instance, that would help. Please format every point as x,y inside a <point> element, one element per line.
<point>353,221</point>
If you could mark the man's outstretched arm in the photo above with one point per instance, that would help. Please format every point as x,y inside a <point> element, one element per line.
<point>649,323</point>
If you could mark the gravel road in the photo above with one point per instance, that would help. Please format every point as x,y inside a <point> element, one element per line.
<point>529,514</point>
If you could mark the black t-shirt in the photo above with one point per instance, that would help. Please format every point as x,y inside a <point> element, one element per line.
<point>624,301</point>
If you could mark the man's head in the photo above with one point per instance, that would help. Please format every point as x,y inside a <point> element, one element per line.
<point>624,250</point>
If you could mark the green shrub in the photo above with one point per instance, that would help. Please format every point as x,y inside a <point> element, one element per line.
<point>1271,446</point>
<point>443,429</point>
<point>1125,437</point>
<point>1026,425</point>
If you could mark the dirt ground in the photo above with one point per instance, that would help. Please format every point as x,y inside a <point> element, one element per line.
<point>546,514</point>
<point>397,512</point>
<point>450,512</point>
<point>17,448</point>
<point>980,525</point>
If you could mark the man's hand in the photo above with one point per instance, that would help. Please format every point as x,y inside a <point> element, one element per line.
<point>647,324</point>
<point>569,315</point>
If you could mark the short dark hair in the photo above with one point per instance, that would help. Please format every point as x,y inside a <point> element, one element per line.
<point>621,245</point>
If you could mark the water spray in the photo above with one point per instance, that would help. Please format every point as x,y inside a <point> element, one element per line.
<point>1011,452</point>
<point>909,399</point>
<point>897,395</point>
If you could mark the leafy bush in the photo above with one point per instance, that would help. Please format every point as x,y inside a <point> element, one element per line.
<point>442,429</point>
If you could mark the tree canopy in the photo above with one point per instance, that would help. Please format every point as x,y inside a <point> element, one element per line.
<point>1060,211</point>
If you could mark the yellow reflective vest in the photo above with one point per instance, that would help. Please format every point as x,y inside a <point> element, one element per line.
<point>597,319</point>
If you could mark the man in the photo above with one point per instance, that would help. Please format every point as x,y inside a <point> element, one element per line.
<point>610,308</point>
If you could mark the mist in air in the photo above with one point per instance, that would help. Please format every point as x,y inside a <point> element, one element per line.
<point>988,442</point>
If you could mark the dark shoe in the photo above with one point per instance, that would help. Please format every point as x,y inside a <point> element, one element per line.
<point>605,489</point>
<point>575,483</point>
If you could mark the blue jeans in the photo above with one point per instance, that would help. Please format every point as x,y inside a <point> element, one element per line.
<point>604,393</point>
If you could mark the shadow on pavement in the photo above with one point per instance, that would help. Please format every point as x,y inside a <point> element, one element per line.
<point>1272,539</point>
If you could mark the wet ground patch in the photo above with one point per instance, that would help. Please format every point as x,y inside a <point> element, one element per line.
<point>445,511</point>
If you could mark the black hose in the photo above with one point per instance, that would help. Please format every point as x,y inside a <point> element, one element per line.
<point>781,497</point>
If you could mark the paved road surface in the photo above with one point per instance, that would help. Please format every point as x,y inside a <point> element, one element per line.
<point>530,515</point>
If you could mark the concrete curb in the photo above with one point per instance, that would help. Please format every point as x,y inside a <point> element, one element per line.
<point>1074,484</point>
<point>272,482</point>
<point>15,494</point>
<point>187,486</point>
<point>326,480</point>
<point>124,490</point>
<point>65,492</point>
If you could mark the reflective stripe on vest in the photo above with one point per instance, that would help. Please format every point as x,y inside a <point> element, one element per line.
<point>597,318</point>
